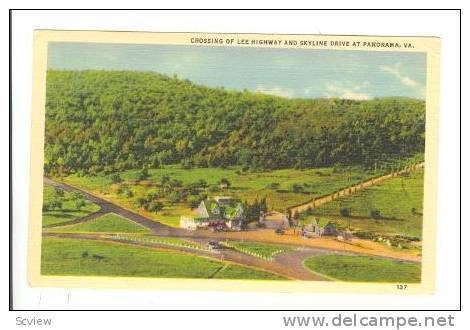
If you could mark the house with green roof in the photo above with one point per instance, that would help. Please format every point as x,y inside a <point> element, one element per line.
<point>218,212</point>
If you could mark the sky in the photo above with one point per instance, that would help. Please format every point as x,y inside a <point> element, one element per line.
<point>288,73</point>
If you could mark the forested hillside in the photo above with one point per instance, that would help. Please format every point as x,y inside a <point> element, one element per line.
<point>114,120</point>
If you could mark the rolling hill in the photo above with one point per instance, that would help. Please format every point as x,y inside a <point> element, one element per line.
<point>116,120</point>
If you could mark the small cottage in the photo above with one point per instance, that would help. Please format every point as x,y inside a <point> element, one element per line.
<point>218,212</point>
<point>330,229</point>
<point>315,230</point>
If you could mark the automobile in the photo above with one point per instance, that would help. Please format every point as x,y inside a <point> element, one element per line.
<point>214,245</point>
<point>279,231</point>
<point>217,227</point>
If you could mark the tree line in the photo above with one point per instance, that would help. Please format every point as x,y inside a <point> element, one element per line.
<point>108,121</point>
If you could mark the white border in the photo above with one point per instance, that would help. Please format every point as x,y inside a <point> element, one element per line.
<point>411,24</point>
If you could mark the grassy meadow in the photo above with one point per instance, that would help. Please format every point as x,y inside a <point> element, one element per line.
<point>96,258</point>
<point>108,223</point>
<point>399,201</point>
<point>262,250</point>
<point>61,206</point>
<point>281,188</point>
<point>365,269</point>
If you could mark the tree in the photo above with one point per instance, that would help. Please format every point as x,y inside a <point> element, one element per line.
<point>194,201</point>
<point>155,206</point>
<point>77,195</point>
<point>202,183</point>
<point>224,183</point>
<point>375,214</point>
<point>141,202</point>
<point>109,121</point>
<point>55,204</point>
<point>174,197</point>
<point>263,205</point>
<point>164,179</point>
<point>58,192</point>
<point>345,212</point>
<point>143,174</point>
<point>115,178</point>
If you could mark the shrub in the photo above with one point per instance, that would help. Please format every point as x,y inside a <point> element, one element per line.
<point>274,185</point>
<point>345,212</point>
<point>115,178</point>
<point>141,201</point>
<point>175,197</point>
<point>152,195</point>
<point>164,179</point>
<point>202,183</point>
<point>55,204</point>
<point>155,206</point>
<point>224,182</point>
<point>176,183</point>
<point>143,174</point>
<point>187,164</point>
<point>79,203</point>
<point>120,190</point>
<point>375,214</point>
<point>59,192</point>
<point>297,188</point>
<point>365,235</point>
<point>77,195</point>
<point>108,169</point>
<point>193,188</point>
<point>194,201</point>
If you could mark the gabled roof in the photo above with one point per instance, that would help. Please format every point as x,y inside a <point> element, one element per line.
<point>228,209</point>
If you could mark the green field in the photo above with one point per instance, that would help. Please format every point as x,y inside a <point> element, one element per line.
<point>108,223</point>
<point>399,200</point>
<point>365,269</point>
<point>68,210</point>
<point>233,271</point>
<point>95,258</point>
<point>244,185</point>
<point>262,250</point>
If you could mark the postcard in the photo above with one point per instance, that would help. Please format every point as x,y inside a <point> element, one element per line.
<point>205,161</point>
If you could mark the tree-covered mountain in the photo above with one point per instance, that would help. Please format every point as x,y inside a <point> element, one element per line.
<point>114,120</point>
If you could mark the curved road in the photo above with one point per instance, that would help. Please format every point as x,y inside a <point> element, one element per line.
<point>292,269</point>
<point>288,264</point>
<point>157,228</point>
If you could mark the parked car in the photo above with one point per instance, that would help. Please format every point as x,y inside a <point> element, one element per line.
<point>215,245</point>
<point>217,227</point>
<point>279,231</point>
